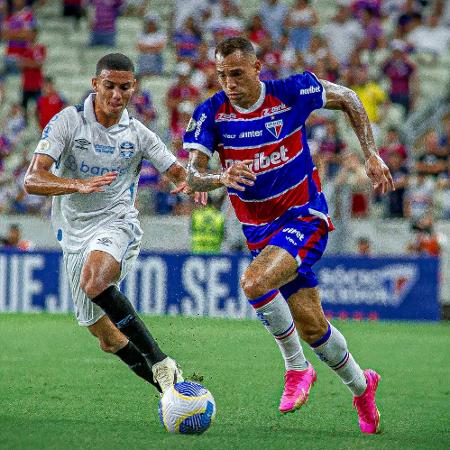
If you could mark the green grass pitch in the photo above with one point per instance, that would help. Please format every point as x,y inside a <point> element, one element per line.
<point>59,391</point>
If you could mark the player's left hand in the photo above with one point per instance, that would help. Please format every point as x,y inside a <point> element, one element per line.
<point>379,174</point>
<point>199,197</point>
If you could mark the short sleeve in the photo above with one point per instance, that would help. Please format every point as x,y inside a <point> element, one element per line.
<point>308,90</point>
<point>154,149</point>
<point>200,134</point>
<point>56,135</point>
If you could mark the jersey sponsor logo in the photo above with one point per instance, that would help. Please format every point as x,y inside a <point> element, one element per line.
<point>262,161</point>
<point>126,154</point>
<point>249,134</point>
<point>43,146</point>
<point>310,90</point>
<point>275,109</point>
<point>300,236</point>
<point>191,125</point>
<point>81,144</point>
<point>223,117</point>
<point>275,127</point>
<point>100,148</point>
<point>71,164</point>
<point>198,127</point>
<point>229,136</point>
<point>104,241</point>
<point>127,145</point>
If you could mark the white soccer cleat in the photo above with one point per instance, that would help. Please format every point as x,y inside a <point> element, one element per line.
<point>166,373</point>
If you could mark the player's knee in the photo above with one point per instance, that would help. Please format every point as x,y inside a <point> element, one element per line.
<point>312,331</point>
<point>92,287</point>
<point>252,286</point>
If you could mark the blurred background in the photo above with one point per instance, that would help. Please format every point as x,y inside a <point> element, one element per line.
<point>394,53</point>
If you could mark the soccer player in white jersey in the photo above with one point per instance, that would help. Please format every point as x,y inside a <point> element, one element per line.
<point>258,130</point>
<point>88,159</point>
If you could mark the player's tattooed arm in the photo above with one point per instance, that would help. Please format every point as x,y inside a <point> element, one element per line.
<point>345,99</point>
<point>40,181</point>
<point>237,175</point>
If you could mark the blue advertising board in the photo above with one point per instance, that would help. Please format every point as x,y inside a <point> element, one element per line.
<point>351,287</point>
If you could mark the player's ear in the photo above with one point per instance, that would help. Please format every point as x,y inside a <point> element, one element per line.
<point>258,66</point>
<point>94,84</point>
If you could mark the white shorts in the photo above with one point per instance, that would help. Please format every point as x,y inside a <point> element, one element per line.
<point>122,243</point>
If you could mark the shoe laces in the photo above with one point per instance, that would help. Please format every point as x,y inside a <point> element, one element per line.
<point>291,383</point>
<point>164,374</point>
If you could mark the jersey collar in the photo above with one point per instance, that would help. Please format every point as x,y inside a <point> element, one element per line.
<point>256,105</point>
<point>90,114</point>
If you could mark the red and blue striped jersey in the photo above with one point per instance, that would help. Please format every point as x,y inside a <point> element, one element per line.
<point>272,135</point>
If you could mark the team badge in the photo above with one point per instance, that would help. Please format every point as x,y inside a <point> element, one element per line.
<point>43,145</point>
<point>275,127</point>
<point>191,125</point>
<point>127,145</point>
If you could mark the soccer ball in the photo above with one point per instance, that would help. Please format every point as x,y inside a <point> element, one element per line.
<point>187,408</point>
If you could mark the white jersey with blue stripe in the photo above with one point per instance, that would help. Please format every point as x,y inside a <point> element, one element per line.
<point>82,148</point>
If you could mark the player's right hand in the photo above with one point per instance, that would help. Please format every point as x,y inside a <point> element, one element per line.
<point>239,175</point>
<point>95,184</point>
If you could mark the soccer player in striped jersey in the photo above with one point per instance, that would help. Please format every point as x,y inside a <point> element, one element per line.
<point>258,130</point>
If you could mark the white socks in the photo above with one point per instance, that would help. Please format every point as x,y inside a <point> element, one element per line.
<point>332,349</point>
<point>274,313</point>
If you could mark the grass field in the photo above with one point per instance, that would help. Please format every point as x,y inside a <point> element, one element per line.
<point>59,391</point>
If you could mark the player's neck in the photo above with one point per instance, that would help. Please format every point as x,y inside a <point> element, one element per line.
<point>251,100</point>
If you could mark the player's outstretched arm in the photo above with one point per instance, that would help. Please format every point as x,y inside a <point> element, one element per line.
<point>345,99</point>
<point>39,180</point>
<point>236,176</point>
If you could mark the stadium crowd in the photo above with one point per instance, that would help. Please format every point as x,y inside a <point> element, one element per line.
<point>376,47</point>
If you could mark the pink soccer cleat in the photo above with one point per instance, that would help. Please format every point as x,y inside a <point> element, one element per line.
<point>297,384</point>
<point>368,414</point>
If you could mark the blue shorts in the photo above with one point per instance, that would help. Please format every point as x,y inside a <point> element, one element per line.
<point>305,241</point>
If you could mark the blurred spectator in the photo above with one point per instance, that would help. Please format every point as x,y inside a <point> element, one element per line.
<point>270,57</point>
<point>104,15</point>
<point>165,202</point>
<point>419,197</point>
<point>364,246</point>
<point>135,8</point>
<point>426,241</point>
<point>393,144</point>
<point>73,8</point>
<point>431,37</point>
<point>49,103</point>
<point>31,62</point>
<point>372,96</point>
<point>13,124</point>
<point>17,30</point>
<point>401,73</point>
<point>151,44</point>
<point>343,34</point>
<point>432,160</point>
<point>330,149</point>
<point>183,9</point>
<point>185,110</point>
<point>353,187</point>
<point>444,137</point>
<point>14,239</point>
<point>180,91</point>
<point>256,31</point>
<point>227,21</point>
<point>399,172</point>
<point>273,14</point>
<point>187,40</point>
<point>207,228</point>
<point>374,35</point>
<point>318,58</point>
<point>141,105</point>
<point>288,56</point>
<point>300,20</point>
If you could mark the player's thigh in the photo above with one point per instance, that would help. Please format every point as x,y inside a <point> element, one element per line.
<point>308,314</point>
<point>86,312</point>
<point>272,268</point>
<point>111,253</point>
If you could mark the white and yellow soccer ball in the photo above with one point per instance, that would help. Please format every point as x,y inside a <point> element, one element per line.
<point>187,408</point>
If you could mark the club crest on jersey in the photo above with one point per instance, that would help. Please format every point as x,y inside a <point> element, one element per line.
<point>127,145</point>
<point>275,127</point>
